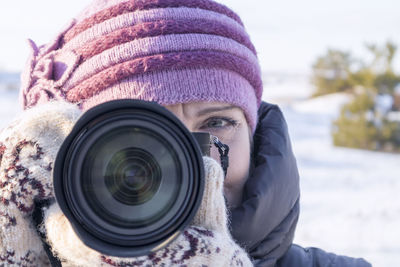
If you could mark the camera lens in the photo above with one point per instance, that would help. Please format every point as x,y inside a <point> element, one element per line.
<point>129,177</point>
<point>132,176</point>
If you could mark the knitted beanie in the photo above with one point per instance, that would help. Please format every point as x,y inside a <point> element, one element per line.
<point>167,51</point>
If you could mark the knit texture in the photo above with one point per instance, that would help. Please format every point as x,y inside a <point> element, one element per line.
<point>120,44</point>
<point>28,148</point>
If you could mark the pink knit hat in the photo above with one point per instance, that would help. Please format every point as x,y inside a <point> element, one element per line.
<point>168,51</point>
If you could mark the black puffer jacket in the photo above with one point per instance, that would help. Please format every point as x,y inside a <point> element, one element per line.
<point>265,222</point>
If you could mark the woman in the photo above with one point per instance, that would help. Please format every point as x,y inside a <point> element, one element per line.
<point>195,58</point>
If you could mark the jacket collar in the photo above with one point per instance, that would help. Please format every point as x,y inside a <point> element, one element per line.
<point>266,220</point>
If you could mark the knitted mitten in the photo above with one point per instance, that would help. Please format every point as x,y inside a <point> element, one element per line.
<point>27,151</point>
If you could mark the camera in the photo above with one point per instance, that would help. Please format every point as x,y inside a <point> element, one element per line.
<point>130,177</point>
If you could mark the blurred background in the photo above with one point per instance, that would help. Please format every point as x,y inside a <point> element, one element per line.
<point>334,68</point>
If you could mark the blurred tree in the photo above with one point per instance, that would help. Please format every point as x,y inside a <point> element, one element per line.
<point>382,57</point>
<point>386,82</point>
<point>390,136</point>
<point>364,122</point>
<point>382,65</point>
<point>355,127</point>
<point>364,77</point>
<point>331,71</point>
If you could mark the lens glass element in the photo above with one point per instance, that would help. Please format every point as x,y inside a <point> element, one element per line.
<point>133,176</point>
<point>130,177</point>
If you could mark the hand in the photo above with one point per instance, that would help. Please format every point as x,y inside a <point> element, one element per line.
<point>27,151</point>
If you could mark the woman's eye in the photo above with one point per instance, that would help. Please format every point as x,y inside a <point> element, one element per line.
<point>220,123</point>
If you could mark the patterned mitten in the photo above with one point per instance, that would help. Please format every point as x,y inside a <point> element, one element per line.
<point>27,151</point>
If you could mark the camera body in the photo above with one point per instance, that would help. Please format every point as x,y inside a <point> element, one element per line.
<point>130,177</point>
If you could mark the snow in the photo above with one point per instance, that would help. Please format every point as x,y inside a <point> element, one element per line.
<point>397,89</point>
<point>350,202</point>
<point>383,103</point>
<point>9,106</point>
<point>394,116</point>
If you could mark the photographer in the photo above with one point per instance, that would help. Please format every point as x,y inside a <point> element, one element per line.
<point>194,58</point>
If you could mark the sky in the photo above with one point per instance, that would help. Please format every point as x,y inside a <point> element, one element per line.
<point>289,35</point>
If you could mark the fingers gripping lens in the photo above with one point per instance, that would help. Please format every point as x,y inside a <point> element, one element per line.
<point>129,177</point>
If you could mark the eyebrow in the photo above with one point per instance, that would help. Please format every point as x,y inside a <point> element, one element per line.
<point>214,109</point>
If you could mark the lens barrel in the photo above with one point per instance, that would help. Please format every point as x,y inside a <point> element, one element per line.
<point>129,177</point>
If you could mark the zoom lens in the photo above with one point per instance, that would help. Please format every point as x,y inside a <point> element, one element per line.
<point>133,176</point>
<point>129,177</point>
<point>123,181</point>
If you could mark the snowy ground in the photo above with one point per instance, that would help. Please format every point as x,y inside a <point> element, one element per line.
<point>350,198</point>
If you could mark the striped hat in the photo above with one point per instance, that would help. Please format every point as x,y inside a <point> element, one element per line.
<point>168,51</point>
